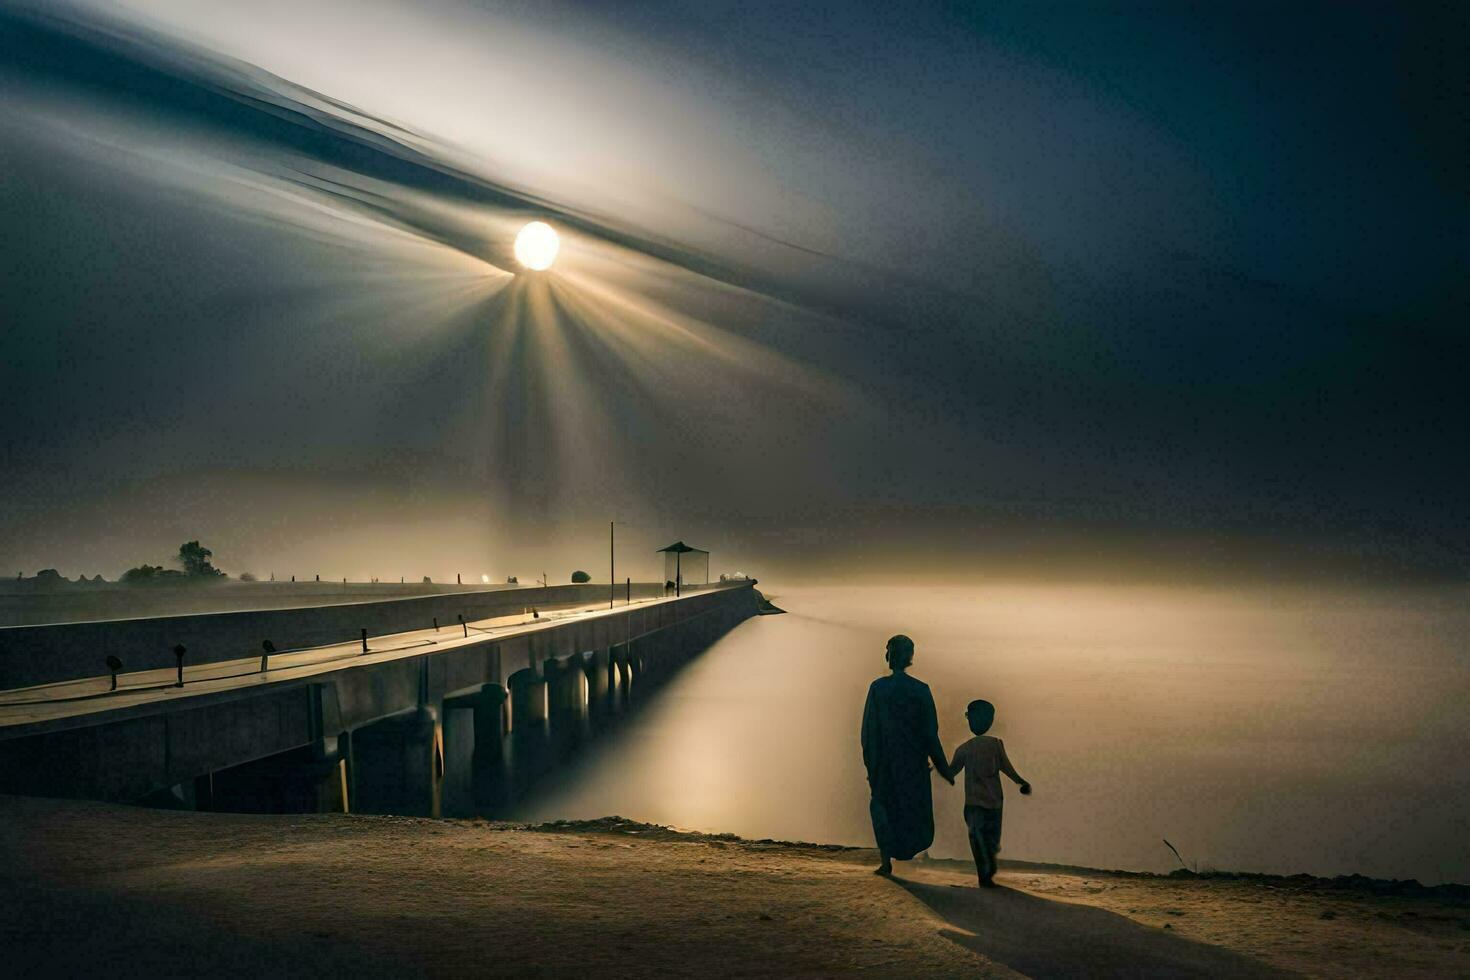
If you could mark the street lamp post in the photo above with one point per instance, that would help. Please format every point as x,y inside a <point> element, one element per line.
<point>612,562</point>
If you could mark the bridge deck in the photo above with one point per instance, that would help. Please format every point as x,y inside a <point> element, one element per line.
<point>92,695</point>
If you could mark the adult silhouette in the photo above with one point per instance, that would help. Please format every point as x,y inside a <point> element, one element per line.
<point>900,739</point>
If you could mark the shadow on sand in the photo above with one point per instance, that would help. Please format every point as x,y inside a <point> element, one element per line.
<point>1043,938</point>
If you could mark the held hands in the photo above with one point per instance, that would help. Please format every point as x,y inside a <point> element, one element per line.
<point>943,772</point>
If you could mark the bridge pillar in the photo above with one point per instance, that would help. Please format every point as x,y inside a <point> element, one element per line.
<point>649,651</point>
<point>529,728</point>
<point>311,779</point>
<point>476,778</point>
<point>600,687</point>
<point>527,700</point>
<point>566,698</point>
<point>492,787</point>
<point>456,795</point>
<point>398,764</point>
<point>621,676</point>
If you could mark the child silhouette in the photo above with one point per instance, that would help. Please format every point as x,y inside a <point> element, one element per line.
<point>983,758</point>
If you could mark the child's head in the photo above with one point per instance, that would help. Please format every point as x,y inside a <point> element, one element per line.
<point>981,715</point>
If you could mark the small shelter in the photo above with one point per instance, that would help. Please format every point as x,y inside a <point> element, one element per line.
<point>684,565</point>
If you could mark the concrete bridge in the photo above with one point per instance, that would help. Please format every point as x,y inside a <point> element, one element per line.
<point>441,704</point>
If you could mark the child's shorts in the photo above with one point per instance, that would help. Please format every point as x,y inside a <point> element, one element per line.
<point>984,827</point>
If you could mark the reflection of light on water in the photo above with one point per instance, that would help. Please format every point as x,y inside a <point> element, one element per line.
<point>696,777</point>
<point>1253,721</point>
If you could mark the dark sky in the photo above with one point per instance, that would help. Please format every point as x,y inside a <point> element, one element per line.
<point>1007,287</point>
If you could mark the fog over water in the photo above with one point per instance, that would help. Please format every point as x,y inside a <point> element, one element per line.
<point>1258,730</point>
<point>1153,285</point>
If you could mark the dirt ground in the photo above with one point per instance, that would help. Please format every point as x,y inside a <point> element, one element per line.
<point>120,891</point>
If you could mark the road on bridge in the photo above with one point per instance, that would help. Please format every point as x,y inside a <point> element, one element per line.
<point>93,695</point>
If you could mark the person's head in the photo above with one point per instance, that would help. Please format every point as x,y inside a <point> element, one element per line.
<point>981,715</point>
<point>900,652</point>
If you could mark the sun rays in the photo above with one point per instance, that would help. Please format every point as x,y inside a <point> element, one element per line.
<point>586,372</point>
<point>612,379</point>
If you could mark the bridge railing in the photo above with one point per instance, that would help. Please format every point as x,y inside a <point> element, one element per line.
<point>36,655</point>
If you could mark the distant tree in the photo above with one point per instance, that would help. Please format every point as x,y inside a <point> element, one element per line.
<point>247,577</point>
<point>49,575</point>
<point>580,577</point>
<point>194,558</point>
<point>428,581</point>
<point>149,573</point>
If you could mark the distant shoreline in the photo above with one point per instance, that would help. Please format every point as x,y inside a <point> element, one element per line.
<point>1299,881</point>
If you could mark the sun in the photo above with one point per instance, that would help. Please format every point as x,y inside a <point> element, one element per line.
<point>537,245</point>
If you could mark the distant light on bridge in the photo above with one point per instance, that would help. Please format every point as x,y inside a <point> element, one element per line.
<point>537,245</point>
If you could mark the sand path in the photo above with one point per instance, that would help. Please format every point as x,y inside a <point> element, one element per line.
<point>119,891</point>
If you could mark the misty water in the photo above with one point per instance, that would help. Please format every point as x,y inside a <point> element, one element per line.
<point>1279,730</point>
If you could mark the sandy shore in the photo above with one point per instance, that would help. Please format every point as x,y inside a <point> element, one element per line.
<point>119,891</point>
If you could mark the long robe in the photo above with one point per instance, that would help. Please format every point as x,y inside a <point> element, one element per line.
<point>900,737</point>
